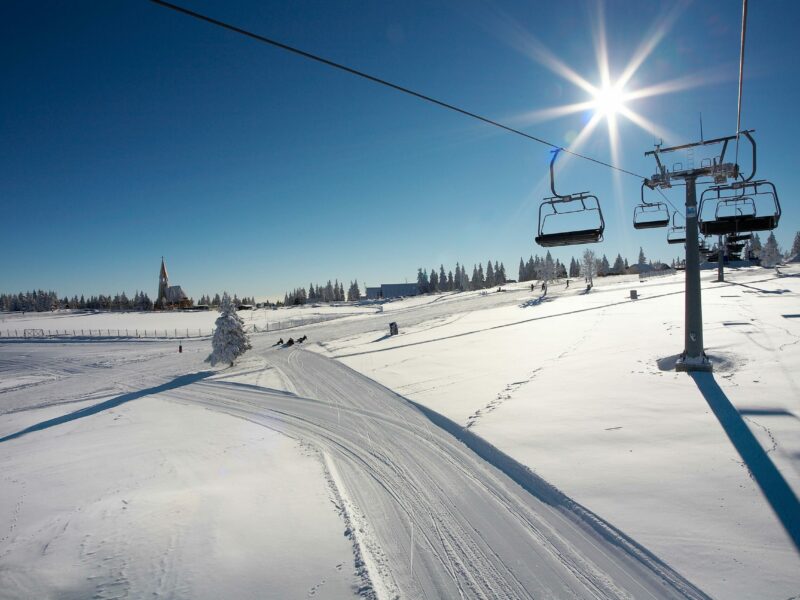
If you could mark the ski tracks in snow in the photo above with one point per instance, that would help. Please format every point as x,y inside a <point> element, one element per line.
<point>427,517</point>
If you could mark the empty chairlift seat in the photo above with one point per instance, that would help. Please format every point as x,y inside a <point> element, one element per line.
<point>739,208</point>
<point>566,220</point>
<point>650,215</point>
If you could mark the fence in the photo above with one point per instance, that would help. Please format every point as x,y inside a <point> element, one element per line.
<point>155,334</point>
<point>656,273</point>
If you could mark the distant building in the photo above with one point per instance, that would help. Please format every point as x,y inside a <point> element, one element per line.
<point>392,290</point>
<point>170,296</point>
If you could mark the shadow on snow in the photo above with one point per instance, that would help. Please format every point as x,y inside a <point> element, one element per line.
<point>774,487</point>
<point>112,403</point>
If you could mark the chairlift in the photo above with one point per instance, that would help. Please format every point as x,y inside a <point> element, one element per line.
<point>740,237</point>
<point>650,215</point>
<point>743,206</point>
<point>676,233</point>
<point>560,205</point>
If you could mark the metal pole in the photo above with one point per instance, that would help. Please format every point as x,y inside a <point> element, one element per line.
<point>720,260</point>
<point>693,359</point>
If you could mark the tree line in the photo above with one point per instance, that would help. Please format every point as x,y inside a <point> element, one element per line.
<point>41,301</point>
<point>330,292</point>
<point>441,281</point>
<point>206,300</point>
<point>46,301</point>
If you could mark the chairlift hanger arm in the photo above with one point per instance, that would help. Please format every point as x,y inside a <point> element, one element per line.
<point>696,144</point>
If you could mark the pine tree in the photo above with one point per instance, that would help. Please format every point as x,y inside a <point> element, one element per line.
<point>755,245</point>
<point>433,284</point>
<point>771,254</point>
<point>442,279</point>
<point>229,341</point>
<point>795,245</point>
<point>522,274</point>
<point>619,265</point>
<point>422,281</point>
<point>502,277</point>
<point>642,260</point>
<point>489,274</point>
<point>450,282</point>
<point>548,271</point>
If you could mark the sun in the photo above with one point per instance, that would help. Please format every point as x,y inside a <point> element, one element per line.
<point>608,100</point>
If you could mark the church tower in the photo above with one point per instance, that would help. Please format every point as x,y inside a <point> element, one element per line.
<point>163,284</point>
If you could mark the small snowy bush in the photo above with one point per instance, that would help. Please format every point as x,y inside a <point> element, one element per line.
<point>230,341</point>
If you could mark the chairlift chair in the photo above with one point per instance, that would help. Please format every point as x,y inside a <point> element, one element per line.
<point>650,215</point>
<point>740,237</point>
<point>559,205</point>
<point>754,208</point>
<point>676,233</point>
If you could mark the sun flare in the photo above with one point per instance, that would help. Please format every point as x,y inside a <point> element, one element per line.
<point>608,101</point>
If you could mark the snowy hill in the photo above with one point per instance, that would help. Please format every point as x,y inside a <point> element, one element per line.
<point>554,452</point>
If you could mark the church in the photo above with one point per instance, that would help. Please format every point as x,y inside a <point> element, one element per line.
<point>170,296</point>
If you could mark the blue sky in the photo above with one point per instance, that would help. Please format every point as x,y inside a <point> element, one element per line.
<point>128,132</point>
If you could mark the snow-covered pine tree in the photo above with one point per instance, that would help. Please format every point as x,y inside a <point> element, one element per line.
<point>771,254</point>
<point>549,268</point>
<point>795,245</point>
<point>755,245</point>
<point>229,341</point>
<point>589,265</point>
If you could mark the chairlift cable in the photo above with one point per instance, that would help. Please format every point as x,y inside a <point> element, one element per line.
<point>384,82</point>
<point>741,78</point>
<point>663,195</point>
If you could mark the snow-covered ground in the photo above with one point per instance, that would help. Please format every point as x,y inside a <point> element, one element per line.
<point>131,469</point>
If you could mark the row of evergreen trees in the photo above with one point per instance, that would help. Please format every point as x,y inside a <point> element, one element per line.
<point>536,268</point>
<point>41,301</point>
<point>330,292</point>
<point>439,281</point>
<point>206,300</point>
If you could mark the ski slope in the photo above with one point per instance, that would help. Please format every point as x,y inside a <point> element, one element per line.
<point>505,445</point>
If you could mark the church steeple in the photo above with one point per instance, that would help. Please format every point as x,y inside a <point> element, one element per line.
<point>163,284</point>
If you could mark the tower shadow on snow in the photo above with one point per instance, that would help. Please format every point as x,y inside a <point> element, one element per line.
<point>112,403</point>
<point>774,487</point>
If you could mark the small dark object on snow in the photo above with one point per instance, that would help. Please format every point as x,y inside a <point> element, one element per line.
<point>289,342</point>
<point>279,342</point>
<point>180,348</point>
<point>302,339</point>
<point>393,330</point>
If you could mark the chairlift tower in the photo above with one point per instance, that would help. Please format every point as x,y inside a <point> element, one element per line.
<point>694,357</point>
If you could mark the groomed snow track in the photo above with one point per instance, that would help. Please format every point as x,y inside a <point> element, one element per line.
<point>428,516</point>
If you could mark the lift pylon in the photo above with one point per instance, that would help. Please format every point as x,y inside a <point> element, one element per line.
<point>694,357</point>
